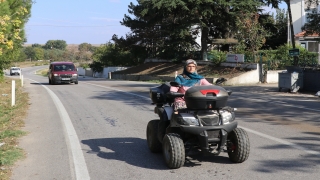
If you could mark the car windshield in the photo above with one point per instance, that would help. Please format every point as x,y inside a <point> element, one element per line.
<point>15,68</point>
<point>63,67</point>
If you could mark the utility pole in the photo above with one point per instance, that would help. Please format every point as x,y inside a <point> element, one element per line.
<point>295,62</point>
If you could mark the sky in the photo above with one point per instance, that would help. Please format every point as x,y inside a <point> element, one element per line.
<point>78,21</point>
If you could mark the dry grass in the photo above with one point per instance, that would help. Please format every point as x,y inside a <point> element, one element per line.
<point>169,69</point>
<point>11,121</point>
<point>30,63</point>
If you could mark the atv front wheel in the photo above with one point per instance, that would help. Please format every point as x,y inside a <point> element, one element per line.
<point>173,150</point>
<point>152,136</point>
<point>238,145</point>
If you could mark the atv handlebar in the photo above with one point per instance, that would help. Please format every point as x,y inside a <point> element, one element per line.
<point>175,84</point>
<point>220,81</point>
<point>174,95</point>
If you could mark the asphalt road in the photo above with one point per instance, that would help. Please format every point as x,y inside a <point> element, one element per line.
<point>96,130</point>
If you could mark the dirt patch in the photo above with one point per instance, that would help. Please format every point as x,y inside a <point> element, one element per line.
<point>169,69</point>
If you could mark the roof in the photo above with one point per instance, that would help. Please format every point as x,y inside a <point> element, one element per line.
<point>62,62</point>
<point>302,34</point>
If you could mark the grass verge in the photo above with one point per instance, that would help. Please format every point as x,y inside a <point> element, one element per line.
<point>30,63</point>
<point>43,72</point>
<point>11,122</point>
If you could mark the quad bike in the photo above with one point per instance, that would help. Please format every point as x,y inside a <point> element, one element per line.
<point>207,125</point>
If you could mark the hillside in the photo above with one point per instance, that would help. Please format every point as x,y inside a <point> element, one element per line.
<point>169,69</point>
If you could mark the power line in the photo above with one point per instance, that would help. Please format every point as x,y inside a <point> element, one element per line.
<point>49,25</point>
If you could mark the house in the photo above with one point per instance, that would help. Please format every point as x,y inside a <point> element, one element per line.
<point>299,18</point>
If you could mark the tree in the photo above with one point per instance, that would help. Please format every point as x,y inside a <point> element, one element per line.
<point>54,55</point>
<point>55,44</point>
<point>13,16</point>
<point>36,45</point>
<point>38,53</point>
<point>85,47</point>
<point>96,66</point>
<point>111,55</point>
<point>278,27</point>
<point>312,27</point>
<point>167,27</point>
<point>85,51</point>
<point>275,4</point>
<point>131,44</point>
<point>22,56</point>
<point>29,52</point>
<point>251,34</point>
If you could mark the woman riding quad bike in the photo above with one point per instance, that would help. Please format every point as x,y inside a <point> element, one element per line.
<point>194,117</point>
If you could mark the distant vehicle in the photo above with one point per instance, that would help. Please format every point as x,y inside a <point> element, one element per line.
<point>62,72</point>
<point>15,71</point>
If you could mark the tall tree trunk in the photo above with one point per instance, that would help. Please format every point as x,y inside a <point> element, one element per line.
<point>226,47</point>
<point>204,43</point>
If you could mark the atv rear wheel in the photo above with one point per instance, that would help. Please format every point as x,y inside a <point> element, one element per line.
<point>152,136</point>
<point>173,150</point>
<point>238,145</point>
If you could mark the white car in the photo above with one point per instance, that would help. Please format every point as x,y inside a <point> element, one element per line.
<point>15,71</point>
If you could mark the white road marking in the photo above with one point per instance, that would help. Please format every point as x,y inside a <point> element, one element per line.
<point>280,103</point>
<point>281,141</point>
<point>79,163</point>
<point>295,106</point>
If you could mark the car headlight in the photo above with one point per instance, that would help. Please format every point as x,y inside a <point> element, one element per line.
<point>55,74</point>
<point>74,75</point>
<point>227,116</point>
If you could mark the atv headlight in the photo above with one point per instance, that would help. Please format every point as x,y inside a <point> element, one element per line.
<point>187,119</point>
<point>190,121</point>
<point>227,116</point>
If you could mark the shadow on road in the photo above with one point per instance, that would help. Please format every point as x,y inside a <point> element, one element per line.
<point>134,98</point>
<point>135,151</point>
<point>61,84</point>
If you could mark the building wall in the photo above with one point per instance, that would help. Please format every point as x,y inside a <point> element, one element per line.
<point>298,15</point>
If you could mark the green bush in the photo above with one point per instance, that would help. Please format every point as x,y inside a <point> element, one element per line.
<point>84,65</point>
<point>217,57</point>
<point>280,58</point>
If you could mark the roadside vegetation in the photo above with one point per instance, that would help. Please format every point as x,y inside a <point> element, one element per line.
<point>11,122</point>
<point>159,30</point>
<point>43,72</point>
<point>244,29</point>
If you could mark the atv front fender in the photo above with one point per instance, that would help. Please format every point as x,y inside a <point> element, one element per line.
<point>196,130</point>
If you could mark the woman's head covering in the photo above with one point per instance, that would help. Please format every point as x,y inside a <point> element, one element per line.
<point>191,61</point>
<point>188,79</point>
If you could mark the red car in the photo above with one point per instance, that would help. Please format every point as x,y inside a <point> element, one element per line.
<point>62,72</point>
